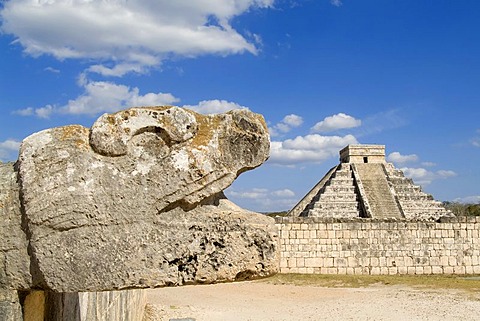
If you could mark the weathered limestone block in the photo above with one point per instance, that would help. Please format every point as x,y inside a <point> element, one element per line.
<point>126,305</point>
<point>66,184</point>
<point>203,245</point>
<point>10,308</point>
<point>135,201</point>
<point>14,260</point>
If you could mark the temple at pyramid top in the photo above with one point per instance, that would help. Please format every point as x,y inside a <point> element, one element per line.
<point>363,154</point>
<point>365,185</point>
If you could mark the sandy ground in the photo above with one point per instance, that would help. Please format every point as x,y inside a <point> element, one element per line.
<point>262,301</point>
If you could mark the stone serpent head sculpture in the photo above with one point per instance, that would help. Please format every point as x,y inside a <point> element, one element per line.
<point>134,201</point>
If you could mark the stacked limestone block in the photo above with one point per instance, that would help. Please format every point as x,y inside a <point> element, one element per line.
<point>337,198</point>
<point>388,246</point>
<point>414,202</point>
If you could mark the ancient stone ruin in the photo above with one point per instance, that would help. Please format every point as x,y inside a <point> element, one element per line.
<point>135,201</point>
<point>365,185</point>
<point>365,218</point>
<point>90,217</point>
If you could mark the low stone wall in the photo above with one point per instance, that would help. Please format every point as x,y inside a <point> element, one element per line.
<point>367,246</point>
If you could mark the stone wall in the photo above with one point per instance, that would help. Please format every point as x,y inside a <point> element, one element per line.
<point>367,246</point>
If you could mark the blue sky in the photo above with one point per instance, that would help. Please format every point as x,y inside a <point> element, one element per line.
<point>324,74</point>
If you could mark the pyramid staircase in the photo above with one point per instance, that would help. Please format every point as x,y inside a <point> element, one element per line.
<point>357,188</point>
<point>378,198</point>
<point>414,202</point>
<point>336,198</point>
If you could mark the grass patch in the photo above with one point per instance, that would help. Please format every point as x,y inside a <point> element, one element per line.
<point>467,283</point>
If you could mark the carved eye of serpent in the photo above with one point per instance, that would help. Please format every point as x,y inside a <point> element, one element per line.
<point>110,134</point>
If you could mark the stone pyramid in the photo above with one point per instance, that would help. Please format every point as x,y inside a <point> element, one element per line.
<point>365,185</point>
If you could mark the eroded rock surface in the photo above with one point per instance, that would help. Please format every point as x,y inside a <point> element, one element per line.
<point>10,307</point>
<point>14,260</point>
<point>70,179</point>
<point>136,201</point>
<point>203,245</point>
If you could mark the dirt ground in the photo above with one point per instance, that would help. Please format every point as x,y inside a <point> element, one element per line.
<point>263,301</point>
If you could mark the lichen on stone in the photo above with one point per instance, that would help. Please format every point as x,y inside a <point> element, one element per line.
<point>119,205</point>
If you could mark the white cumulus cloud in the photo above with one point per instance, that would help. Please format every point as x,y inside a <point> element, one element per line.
<point>254,193</point>
<point>9,149</point>
<point>10,144</point>
<point>398,158</point>
<point>424,177</point>
<point>293,120</point>
<point>100,97</point>
<point>309,148</point>
<point>288,122</point>
<point>336,122</point>
<point>214,106</point>
<point>283,193</point>
<point>126,36</point>
<point>107,97</point>
<point>263,199</point>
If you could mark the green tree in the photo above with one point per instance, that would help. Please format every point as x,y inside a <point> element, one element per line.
<point>460,209</point>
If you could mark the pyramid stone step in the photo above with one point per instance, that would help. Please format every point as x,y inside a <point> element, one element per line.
<point>428,207</point>
<point>333,213</point>
<point>424,209</point>
<point>336,205</point>
<point>414,197</point>
<point>340,189</point>
<point>341,182</point>
<point>426,214</point>
<point>343,174</point>
<point>422,203</point>
<point>396,173</point>
<point>407,189</point>
<point>401,181</point>
<point>377,191</point>
<point>334,197</point>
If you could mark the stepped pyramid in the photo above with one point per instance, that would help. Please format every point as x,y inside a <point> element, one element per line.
<point>365,185</point>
